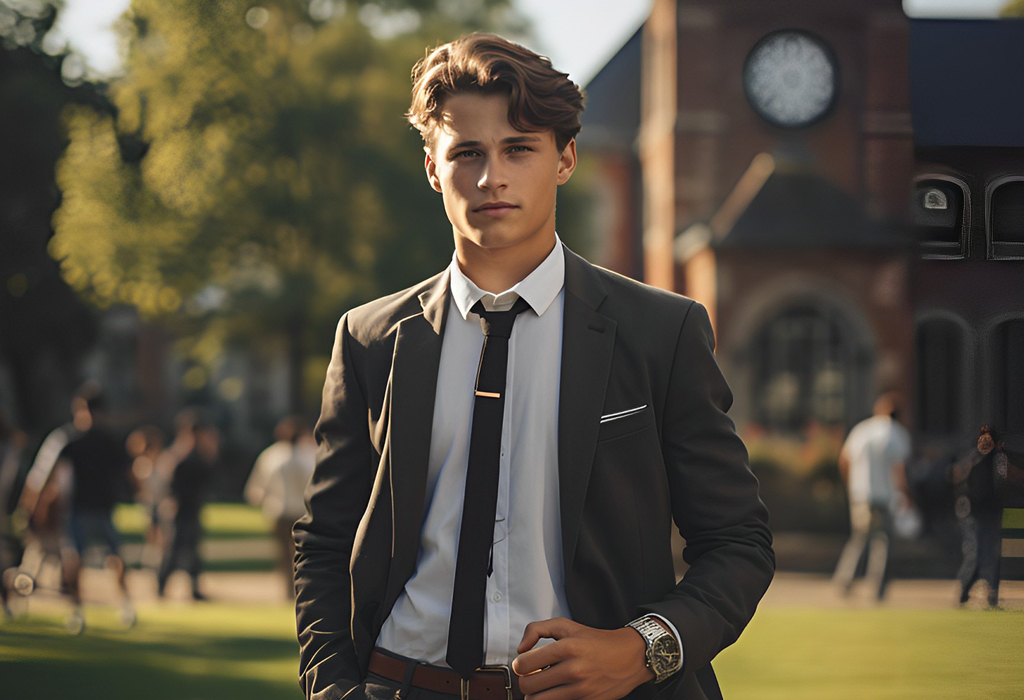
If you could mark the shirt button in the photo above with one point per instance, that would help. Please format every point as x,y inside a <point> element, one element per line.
<point>496,597</point>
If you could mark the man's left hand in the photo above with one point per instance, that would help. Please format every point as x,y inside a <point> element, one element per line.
<point>583,663</point>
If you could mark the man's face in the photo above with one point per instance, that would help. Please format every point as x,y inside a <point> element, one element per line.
<point>498,183</point>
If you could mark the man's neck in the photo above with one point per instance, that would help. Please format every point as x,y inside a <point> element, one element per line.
<point>495,271</point>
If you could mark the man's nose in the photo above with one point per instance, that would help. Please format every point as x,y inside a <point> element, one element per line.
<point>493,176</point>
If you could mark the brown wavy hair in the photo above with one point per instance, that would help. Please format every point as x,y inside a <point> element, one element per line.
<point>540,97</point>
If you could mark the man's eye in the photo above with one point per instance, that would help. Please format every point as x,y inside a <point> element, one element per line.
<point>520,149</point>
<point>467,154</point>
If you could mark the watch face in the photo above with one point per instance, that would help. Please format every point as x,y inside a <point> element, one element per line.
<point>664,655</point>
<point>791,78</point>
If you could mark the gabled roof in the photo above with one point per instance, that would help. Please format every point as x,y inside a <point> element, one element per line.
<point>612,114</point>
<point>773,207</point>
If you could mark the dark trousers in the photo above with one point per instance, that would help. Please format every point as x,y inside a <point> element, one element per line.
<point>286,551</point>
<point>182,551</point>
<point>981,546</point>
<point>378,688</point>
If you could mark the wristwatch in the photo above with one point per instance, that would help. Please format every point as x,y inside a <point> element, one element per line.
<point>662,655</point>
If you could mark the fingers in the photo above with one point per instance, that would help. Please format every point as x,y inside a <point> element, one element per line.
<point>555,628</point>
<point>548,678</point>
<point>568,681</point>
<point>538,659</point>
<point>582,664</point>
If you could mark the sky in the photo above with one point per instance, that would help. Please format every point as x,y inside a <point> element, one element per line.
<point>952,8</point>
<point>579,36</point>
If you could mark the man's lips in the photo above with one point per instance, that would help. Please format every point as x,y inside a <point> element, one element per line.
<point>495,208</point>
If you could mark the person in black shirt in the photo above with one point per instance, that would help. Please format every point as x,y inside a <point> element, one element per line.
<point>979,515</point>
<point>189,488</point>
<point>100,477</point>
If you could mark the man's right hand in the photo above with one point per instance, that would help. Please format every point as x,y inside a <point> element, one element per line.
<point>584,663</point>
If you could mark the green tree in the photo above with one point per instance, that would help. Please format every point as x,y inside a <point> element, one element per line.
<point>258,177</point>
<point>44,328</point>
<point>1013,8</point>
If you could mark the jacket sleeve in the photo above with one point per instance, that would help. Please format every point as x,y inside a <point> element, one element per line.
<point>715,504</point>
<point>336,498</point>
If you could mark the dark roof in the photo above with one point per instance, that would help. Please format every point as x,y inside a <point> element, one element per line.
<point>967,82</point>
<point>612,114</point>
<point>803,210</point>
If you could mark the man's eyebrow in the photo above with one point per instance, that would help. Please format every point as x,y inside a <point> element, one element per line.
<point>526,138</point>
<point>464,144</point>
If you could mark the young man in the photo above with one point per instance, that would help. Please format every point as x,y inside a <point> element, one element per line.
<point>504,447</point>
<point>188,489</point>
<point>95,464</point>
<point>871,463</point>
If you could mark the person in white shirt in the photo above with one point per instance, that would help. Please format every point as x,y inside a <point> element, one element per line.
<point>277,483</point>
<point>871,463</point>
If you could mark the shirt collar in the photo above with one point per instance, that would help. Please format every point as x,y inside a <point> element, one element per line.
<point>539,288</point>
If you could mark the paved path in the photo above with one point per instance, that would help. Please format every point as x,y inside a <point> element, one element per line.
<point>817,591</point>
<point>787,590</point>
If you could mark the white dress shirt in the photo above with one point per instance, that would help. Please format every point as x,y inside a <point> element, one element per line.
<point>874,447</point>
<point>527,582</point>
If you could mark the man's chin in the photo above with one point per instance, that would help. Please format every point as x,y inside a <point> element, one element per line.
<point>490,240</point>
<point>496,240</point>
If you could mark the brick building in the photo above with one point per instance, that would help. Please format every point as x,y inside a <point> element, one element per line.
<point>842,187</point>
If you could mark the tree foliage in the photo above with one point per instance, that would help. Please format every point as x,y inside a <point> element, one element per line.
<point>258,177</point>
<point>44,328</point>
<point>1013,8</point>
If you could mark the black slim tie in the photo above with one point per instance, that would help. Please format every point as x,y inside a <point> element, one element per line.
<point>466,626</point>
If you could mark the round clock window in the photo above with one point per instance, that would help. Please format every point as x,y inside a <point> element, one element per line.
<point>791,78</point>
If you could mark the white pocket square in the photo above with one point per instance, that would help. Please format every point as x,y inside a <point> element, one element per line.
<point>622,414</point>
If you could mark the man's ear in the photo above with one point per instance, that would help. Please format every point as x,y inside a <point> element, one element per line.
<point>431,167</point>
<point>567,162</point>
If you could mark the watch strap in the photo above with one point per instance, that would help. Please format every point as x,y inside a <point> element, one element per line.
<point>651,631</point>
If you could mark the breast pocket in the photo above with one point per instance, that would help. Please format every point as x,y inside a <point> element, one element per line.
<point>624,422</point>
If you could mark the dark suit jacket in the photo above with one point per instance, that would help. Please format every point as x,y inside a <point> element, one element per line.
<point>621,483</point>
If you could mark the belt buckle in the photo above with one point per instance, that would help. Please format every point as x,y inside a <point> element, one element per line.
<point>504,670</point>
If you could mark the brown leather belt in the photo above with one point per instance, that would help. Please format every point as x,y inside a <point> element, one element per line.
<point>488,683</point>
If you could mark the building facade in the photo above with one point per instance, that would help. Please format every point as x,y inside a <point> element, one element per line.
<point>822,177</point>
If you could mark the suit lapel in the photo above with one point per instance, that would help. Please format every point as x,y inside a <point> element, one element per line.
<point>588,340</point>
<point>414,368</point>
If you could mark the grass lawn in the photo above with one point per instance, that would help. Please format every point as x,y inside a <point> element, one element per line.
<point>222,652</point>
<point>200,652</point>
<point>876,654</point>
<point>220,521</point>
<point>224,522</point>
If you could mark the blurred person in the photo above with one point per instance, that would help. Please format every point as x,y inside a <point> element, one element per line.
<point>498,491</point>
<point>47,455</point>
<point>189,488</point>
<point>979,514</point>
<point>871,463</point>
<point>144,445</point>
<point>99,476</point>
<point>12,442</point>
<point>43,502</point>
<point>277,484</point>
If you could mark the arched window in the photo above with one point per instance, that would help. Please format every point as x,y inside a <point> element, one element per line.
<point>939,402</point>
<point>1008,375</point>
<point>1006,218</point>
<point>806,367</point>
<point>940,212</point>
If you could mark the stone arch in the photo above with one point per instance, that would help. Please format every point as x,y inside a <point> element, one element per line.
<point>804,351</point>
